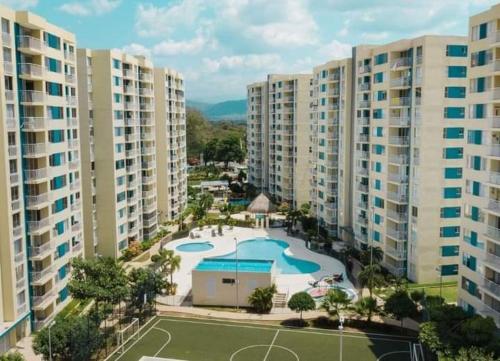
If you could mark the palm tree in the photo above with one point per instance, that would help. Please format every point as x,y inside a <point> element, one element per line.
<point>371,277</point>
<point>375,254</point>
<point>173,263</point>
<point>335,301</point>
<point>262,298</point>
<point>367,307</point>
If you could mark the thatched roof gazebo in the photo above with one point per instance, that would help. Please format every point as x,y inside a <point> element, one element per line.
<point>262,204</point>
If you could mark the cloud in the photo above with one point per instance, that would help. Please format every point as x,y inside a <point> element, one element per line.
<point>154,20</point>
<point>92,7</point>
<point>266,62</point>
<point>336,50</point>
<point>137,49</point>
<point>19,4</point>
<point>171,47</point>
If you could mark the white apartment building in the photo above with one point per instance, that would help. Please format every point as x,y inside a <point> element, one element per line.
<point>330,141</point>
<point>117,110</point>
<point>479,275</point>
<point>170,125</point>
<point>409,153</point>
<point>40,226</point>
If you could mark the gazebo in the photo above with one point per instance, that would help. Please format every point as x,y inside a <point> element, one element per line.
<point>261,207</point>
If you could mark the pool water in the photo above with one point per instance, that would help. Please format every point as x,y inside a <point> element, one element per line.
<point>273,249</point>
<point>229,265</point>
<point>195,247</point>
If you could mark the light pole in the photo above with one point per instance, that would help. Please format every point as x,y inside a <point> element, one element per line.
<point>237,282</point>
<point>50,340</point>
<point>341,329</point>
<point>438,269</point>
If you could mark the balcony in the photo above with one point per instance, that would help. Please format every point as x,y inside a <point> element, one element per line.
<point>399,140</point>
<point>401,63</point>
<point>492,259</point>
<point>35,150</point>
<point>12,150</point>
<point>494,205</point>
<point>39,276</point>
<point>145,77</point>
<point>71,100</point>
<point>130,105</point>
<point>147,136</point>
<point>72,122</point>
<point>34,123</point>
<point>400,121</point>
<point>402,82</point>
<point>364,103</point>
<point>491,286</point>
<point>39,301</point>
<point>495,94</point>
<point>364,69</point>
<point>8,68</point>
<point>148,180</point>
<point>30,44</point>
<point>401,101</point>
<point>397,177</point>
<point>401,159</point>
<point>494,177</point>
<point>395,270</point>
<point>17,230</point>
<point>37,200</point>
<point>75,227</point>
<point>39,174</point>
<point>494,150</point>
<point>399,217</point>
<point>32,96</point>
<point>36,226</point>
<point>42,251</point>
<point>131,168</point>
<point>399,254</point>
<point>31,70</point>
<point>130,137</point>
<point>75,185</point>
<point>146,91</point>
<point>363,138</point>
<point>364,86</point>
<point>397,234</point>
<point>73,143</point>
<point>493,233</point>
<point>6,38</point>
<point>77,247</point>
<point>398,197</point>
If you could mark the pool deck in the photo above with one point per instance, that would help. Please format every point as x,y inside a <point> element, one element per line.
<point>286,283</point>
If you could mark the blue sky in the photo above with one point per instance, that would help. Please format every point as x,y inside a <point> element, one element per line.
<point>222,45</point>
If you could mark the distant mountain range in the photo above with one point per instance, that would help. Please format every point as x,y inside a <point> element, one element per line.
<point>228,110</point>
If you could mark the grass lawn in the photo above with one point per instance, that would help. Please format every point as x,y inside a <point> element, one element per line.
<point>192,339</point>
<point>449,290</point>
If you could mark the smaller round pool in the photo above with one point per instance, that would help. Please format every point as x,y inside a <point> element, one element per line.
<point>195,247</point>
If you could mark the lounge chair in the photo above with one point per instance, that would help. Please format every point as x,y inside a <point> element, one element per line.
<point>213,233</point>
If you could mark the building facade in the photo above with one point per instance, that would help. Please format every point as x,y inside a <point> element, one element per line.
<point>409,153</point>
<point>119,169</point>
<point>479,281</point>
<point>40,227</point>
<point>330,141</point>
<point>170,125</point>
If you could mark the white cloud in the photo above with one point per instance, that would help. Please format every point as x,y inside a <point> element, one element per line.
<point>137,49</point>
<point>172,47</point>
<point>19,4</point>
<point>92,7</point>
<point>269,62</point>
<point>154,20</point>
<point>336,50</point>
<point>375,37</point>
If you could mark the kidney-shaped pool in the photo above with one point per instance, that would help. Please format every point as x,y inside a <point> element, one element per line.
<point>273,249</point>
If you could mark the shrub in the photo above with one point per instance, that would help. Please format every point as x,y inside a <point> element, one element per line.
<point>261,299</point>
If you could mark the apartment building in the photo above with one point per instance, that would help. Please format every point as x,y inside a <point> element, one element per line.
<point>257,135</point>
<point>170,125</point>
<point>330,141</point>
<point>278,136</point>
<point>479,277</point>
<point>40,226</point>
<point>409,153</point>
<point>119,164</point>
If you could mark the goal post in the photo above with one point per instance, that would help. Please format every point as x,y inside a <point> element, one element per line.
<point>128,333</point>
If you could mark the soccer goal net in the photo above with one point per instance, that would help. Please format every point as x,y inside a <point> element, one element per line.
<point>417,353</point>
<point>130,332</point>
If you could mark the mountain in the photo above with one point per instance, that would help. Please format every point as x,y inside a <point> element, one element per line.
<point>227,110</point>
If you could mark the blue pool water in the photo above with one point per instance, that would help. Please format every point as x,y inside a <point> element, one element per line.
<point>195,247</point>
<point>229,265</point>
<point>272,249</point>
<point>239,202</point>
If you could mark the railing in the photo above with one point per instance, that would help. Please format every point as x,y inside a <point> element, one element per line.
<point>401,101</point>
<point>26,41</point>
<point>75,185</point>
<point>495,94</point>
<point>494,205</point>
<point>71,100</point>
<point>32,96</point>
<point>76,227</point>
<point>8,67</point>
<point>364,86</point>
<point>400,217</point>
<point>403,121</point>
<point>38,225</point>
<point>491,286</point>
<point>41,251</point>
<point>401,82</point>
<point>494,150</point>
<point>395,253</point>
<point>31,69</point>
<point>397,140</point>
<point>34,123</point>
<point>73,143</point>
<point>364,69</point>
<point>36,174</point>
<point>39,199</point>
<point>6,38</point>
<point>364,103</point>
<point>397,196</point>
<point>493,232</point>
<point>399,159</point>
<point>363,120</point>
<point>37,300</point>
<point>12,150</point>
<point>37,149</point>
<point>401,62</point>
<point>494,177</point>
<point>69,55</point>
<point>38,275</point>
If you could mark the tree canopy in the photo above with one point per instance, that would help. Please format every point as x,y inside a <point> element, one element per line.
<point>300,302</point>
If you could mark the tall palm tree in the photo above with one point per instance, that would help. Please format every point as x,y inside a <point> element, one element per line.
<point>375,254</point>
<point>173,263</point>
<point>366,307</point>
<point>371,277</point>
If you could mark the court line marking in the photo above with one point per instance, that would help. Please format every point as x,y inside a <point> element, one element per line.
<point>166,343</point>
<point>391,353</point>
<point>327,333</point>
<point>255,346</point>
<point>133,344</point>
<point>271,345</point>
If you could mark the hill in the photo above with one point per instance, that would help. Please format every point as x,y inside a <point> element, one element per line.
<point>227,110</point>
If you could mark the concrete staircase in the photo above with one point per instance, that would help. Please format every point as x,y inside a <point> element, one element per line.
<point>279,300</point>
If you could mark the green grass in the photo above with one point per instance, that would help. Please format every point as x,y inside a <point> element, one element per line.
<point>449,290</point>
<point>192,339</point>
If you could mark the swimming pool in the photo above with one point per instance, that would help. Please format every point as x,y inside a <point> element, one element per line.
<point>195,247</point>
<point>273,249</point>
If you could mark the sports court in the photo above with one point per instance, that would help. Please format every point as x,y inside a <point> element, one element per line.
<point>191,339</point>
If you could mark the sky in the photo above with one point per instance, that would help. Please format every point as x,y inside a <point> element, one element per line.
<point>222,45</point>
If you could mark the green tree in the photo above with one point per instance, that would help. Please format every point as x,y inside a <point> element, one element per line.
<point>145,284</point>
<point>374,253</point>
<point>429,336</point>
<point>471,354</point>
<point>367,307</point>
<point>300,302</point>
<point>210,151</point>
<point>12,356</point>
<point>261,298</point>
<point>101,279</point>
<point>72,338</point>
<point>478,331</point>
<point>335,301</point>
<point>371,277</point>
<point>400,305</point>
<point>229,150</point>
<point>202,205</point>
<point>173,264</point>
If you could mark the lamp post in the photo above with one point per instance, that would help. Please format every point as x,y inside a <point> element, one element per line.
<point>341,329</point>
<point>50,340</point>
<point>237,282</point>
<point>438,269</point>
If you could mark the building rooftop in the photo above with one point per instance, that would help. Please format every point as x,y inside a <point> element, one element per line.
<point>229,265</point>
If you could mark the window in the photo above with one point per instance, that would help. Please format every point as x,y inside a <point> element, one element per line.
<point>453,133</point>
<point>52,41</point>
<point>452,192</point>
<point>474,136</point>
<point>453,173</point>
<point>228,281</point>
<point>116,64</point>
<point>378,184</point>
<point>53,65</point>
<point>455,71</point>
<point>377,167</point>
<point>449,269</point>
<point>381,95</point>
<point>378,77</point>
<point>119,164</point>
<point>120,197</point>
<point>449,251</point>
<point>117,81</point>
<point>453,153</point>
<point>449,231</point>
<point>378,202</point>
<point>376,236</point>
<point>456,50</point>
<point>454,92</point>
<point>380,59</point>
<point>53,89</point>
<point>56,159</point>
<point>55,112</point>
<point>378,149</point>
<point>476,163</point>
<point>450,212</point>
<point>378,114</point>
<point>481,58</point>
<point>56,136</point>
<point>454,112</point>
<point>57,182</point>
<point>477,111</point>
